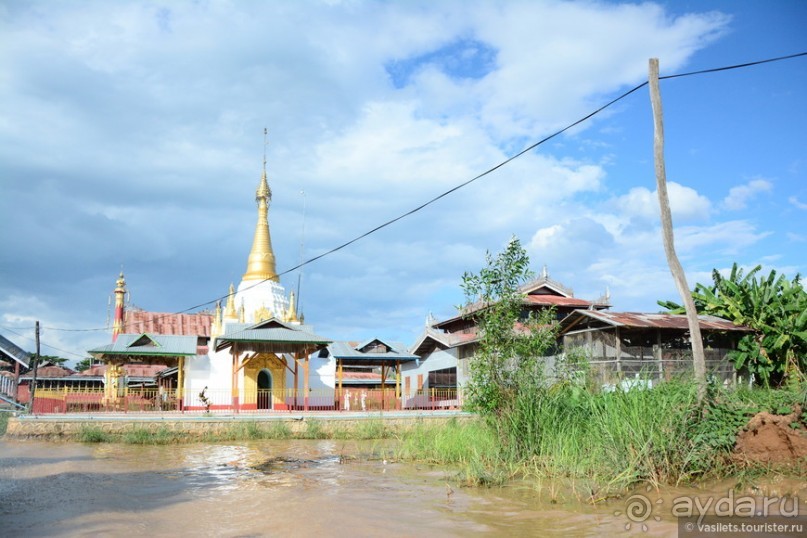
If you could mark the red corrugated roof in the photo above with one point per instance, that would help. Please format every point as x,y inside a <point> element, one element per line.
<point>132,370</point>
<point>140,321</point>
<point>557,300</point>
<point>660,321</point>
<point>51,371</point>
<point>370,376</point>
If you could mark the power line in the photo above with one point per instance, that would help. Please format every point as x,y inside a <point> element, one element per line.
<point>43,343</point>
<point>464,184</point>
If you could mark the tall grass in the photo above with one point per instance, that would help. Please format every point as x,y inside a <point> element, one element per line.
<point>610,441</point>
<point>3,422</point>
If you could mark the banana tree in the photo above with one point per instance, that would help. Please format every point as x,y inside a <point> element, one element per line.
<point>775,307</point>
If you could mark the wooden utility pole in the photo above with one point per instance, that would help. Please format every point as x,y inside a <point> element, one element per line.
<point>36,366</point>
<point>698,358</point>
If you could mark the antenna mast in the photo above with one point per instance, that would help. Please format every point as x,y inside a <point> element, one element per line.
<point>302,249</point>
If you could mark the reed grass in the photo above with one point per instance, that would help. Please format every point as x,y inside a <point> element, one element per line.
<point>607,442</point>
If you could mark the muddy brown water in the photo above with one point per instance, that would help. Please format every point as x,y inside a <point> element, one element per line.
<point>277,488</point>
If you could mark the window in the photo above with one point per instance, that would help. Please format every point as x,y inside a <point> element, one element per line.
<point>443,379</point>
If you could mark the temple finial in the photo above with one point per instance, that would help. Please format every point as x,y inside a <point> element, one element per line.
<point>120,306</point>
<point>261,261</point>
<point>229,311</point>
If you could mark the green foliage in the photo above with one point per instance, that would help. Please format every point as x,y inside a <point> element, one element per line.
<point>775,307</point>
<point>365,429</point>
<point>313,430</point>
<point>92,434</point>
<point>3,422</point>
<point>53,359</point>
<point>83,364</point>
<point>146,436</point>
<point>510,345</point>
<point>607,441</point>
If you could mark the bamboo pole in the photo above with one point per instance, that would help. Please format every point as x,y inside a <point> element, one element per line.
<point>696,341</point>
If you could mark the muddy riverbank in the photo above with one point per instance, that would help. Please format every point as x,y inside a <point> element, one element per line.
<point>297,488</point>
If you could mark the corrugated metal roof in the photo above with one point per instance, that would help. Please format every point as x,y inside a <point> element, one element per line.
<point>47,372</point>
<point>655,321</point>
<point>140,321</point>
<point>556,300</point>
<point>344,351</point>
<point>12,351</point>
<point>274,337</point>
<point>147,344</point>
<point>132,370</point>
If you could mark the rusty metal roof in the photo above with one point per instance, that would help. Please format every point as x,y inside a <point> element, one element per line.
<point>557,300</point>
<point>655,321</point>
<point>47,372</point>
<point>140,321</point>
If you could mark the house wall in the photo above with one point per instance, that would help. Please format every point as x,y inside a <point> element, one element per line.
<point>437,359</point>
<point>214,371</point>
<point>661,360</point>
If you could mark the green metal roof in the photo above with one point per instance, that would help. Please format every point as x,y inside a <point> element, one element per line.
<point>147,344</point>
<point>275,337</point>
<point>349,355</point>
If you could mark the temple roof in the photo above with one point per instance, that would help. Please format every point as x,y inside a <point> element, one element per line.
<point>272,336</point>
<point>12,351</point>
<point>360,354</point>
<point>140,321</point>
<point>148,345</point>
<point>637,320</point>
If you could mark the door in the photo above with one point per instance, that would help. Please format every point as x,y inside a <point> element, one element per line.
<point>264,389</point>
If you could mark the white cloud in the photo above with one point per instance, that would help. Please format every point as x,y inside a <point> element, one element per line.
<point>131,133</point>
<point>739,196</point>
<point>685,203</point>
<point>797,203</point>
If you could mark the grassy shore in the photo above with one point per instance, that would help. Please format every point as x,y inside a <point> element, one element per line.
<point>603,442</point>
<point>241,431</point>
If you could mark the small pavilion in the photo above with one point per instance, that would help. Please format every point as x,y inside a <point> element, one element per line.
<point>275,342</point>
<point>372,354</point>
<point>146,348</point>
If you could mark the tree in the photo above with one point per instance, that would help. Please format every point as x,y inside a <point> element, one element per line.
<point>509,343</point>
<point>775,307</point>
<point>83,364</point>
<point>53,359</point>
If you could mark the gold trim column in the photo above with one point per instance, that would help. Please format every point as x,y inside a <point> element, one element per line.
<point>181,384</point>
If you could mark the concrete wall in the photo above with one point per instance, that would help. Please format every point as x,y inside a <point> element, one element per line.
<point>69,428</point>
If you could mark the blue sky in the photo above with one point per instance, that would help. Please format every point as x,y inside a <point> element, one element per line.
<point>132,134</point>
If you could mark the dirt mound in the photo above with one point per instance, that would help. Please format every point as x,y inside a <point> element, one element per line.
<point>773,439</point>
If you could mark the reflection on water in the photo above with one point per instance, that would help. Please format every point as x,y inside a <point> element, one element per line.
<point>267,488</point>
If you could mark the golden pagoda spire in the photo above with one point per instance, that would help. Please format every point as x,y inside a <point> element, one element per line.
<point>291,314</point>
<point>229,312</point>
<point>120,312</point>
<point>261,261</point>
<point>215,326</point>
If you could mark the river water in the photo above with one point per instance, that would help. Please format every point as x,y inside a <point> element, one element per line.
<point>274,488</point>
